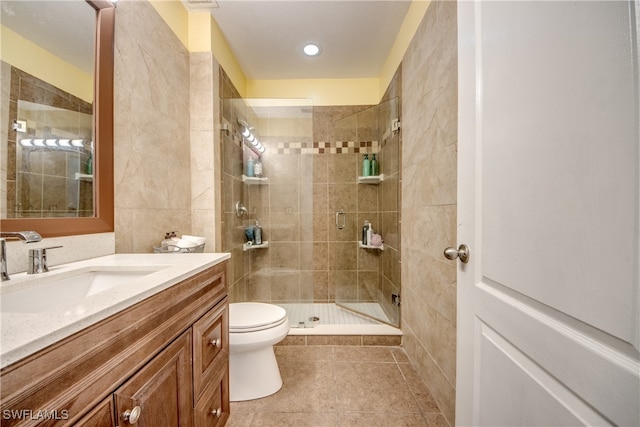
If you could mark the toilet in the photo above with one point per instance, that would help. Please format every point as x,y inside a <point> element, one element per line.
<point>254,328</point>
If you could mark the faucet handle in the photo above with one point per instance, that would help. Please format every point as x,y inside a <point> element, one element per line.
<point>31,236</point>
<point>38,260</point>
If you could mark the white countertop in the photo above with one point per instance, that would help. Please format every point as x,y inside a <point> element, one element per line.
<point>22,334</point>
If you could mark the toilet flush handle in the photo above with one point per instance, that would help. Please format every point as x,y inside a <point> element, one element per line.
<point>215,342</point>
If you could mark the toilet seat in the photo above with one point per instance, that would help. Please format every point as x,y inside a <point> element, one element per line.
<point>255,316</point>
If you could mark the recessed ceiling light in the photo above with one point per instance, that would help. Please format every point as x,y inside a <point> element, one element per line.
<point>311,49</point>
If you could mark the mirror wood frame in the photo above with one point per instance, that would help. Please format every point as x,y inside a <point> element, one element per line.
<point>103,219</point>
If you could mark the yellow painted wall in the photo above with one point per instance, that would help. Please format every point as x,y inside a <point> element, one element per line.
<point>227,59</point>
<point>32,59</point>
<point>320,91</point>
<point>200,32</point>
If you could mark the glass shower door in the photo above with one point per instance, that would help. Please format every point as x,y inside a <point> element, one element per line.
<point>366,272</point>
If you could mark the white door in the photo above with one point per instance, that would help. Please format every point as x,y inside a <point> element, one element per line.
<point>549,201</point>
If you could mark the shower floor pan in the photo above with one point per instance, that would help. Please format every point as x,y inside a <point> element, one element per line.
<point>334,320</point>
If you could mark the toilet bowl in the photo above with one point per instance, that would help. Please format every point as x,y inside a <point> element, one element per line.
<point>254,328</point>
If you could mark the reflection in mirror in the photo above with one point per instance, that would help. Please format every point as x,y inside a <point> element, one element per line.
<point>51,100</point>
<point>36,178</point>
<point>54,167</point>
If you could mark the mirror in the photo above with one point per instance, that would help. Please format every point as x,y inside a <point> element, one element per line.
<point>57,119</point>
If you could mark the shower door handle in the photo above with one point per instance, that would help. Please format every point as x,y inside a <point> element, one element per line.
<point>340,225</point>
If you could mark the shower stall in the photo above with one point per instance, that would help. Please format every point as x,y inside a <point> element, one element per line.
<point>297,171</point>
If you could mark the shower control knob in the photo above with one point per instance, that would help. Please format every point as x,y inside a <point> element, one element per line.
<point>216,342</point>
<point>462,252</point>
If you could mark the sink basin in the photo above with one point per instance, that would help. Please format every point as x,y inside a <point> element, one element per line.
<point>68,291</point>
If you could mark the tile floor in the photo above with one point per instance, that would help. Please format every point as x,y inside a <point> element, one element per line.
<point>326,386</point>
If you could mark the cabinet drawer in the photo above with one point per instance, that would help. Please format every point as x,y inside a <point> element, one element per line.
<point>212,410</point>
<point>210,345</point>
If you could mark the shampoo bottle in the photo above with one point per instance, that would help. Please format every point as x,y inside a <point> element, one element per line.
<point>250,167</point>
<point>365,232</point>
<point>257,234</point>
<point>374,166</point>
<point>89,165</point>
<point>257,168</point>
<point>366,166</point>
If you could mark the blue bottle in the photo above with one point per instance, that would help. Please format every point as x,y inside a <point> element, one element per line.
<point>250,166</point>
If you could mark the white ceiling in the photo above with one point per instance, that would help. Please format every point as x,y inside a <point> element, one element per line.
<point>267,36</point>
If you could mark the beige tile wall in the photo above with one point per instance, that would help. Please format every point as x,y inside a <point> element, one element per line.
<point>429,156</point>
<point>151,131</point>
<point>206,164</point>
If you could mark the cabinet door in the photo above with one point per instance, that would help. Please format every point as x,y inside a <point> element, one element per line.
<point>160,394</point>
<point>100,416</point>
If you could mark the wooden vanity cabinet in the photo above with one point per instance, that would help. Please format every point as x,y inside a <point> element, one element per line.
<point>163,361</point>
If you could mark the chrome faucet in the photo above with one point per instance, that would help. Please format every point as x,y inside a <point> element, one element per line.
<point>26,236</point>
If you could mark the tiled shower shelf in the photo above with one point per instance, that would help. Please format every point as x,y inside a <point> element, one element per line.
<point>376,179</point>
<point>255,180</point>
<point>247,246</point>
<point>380,248</point>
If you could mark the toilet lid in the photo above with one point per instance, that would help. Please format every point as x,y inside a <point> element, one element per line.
<point>251,316</point>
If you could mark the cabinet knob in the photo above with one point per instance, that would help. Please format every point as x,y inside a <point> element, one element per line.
<point>216,342</point>
<point>216,412</point>
<point>132,416</point>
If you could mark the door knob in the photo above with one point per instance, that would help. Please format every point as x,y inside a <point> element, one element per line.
<point>462,252</point>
